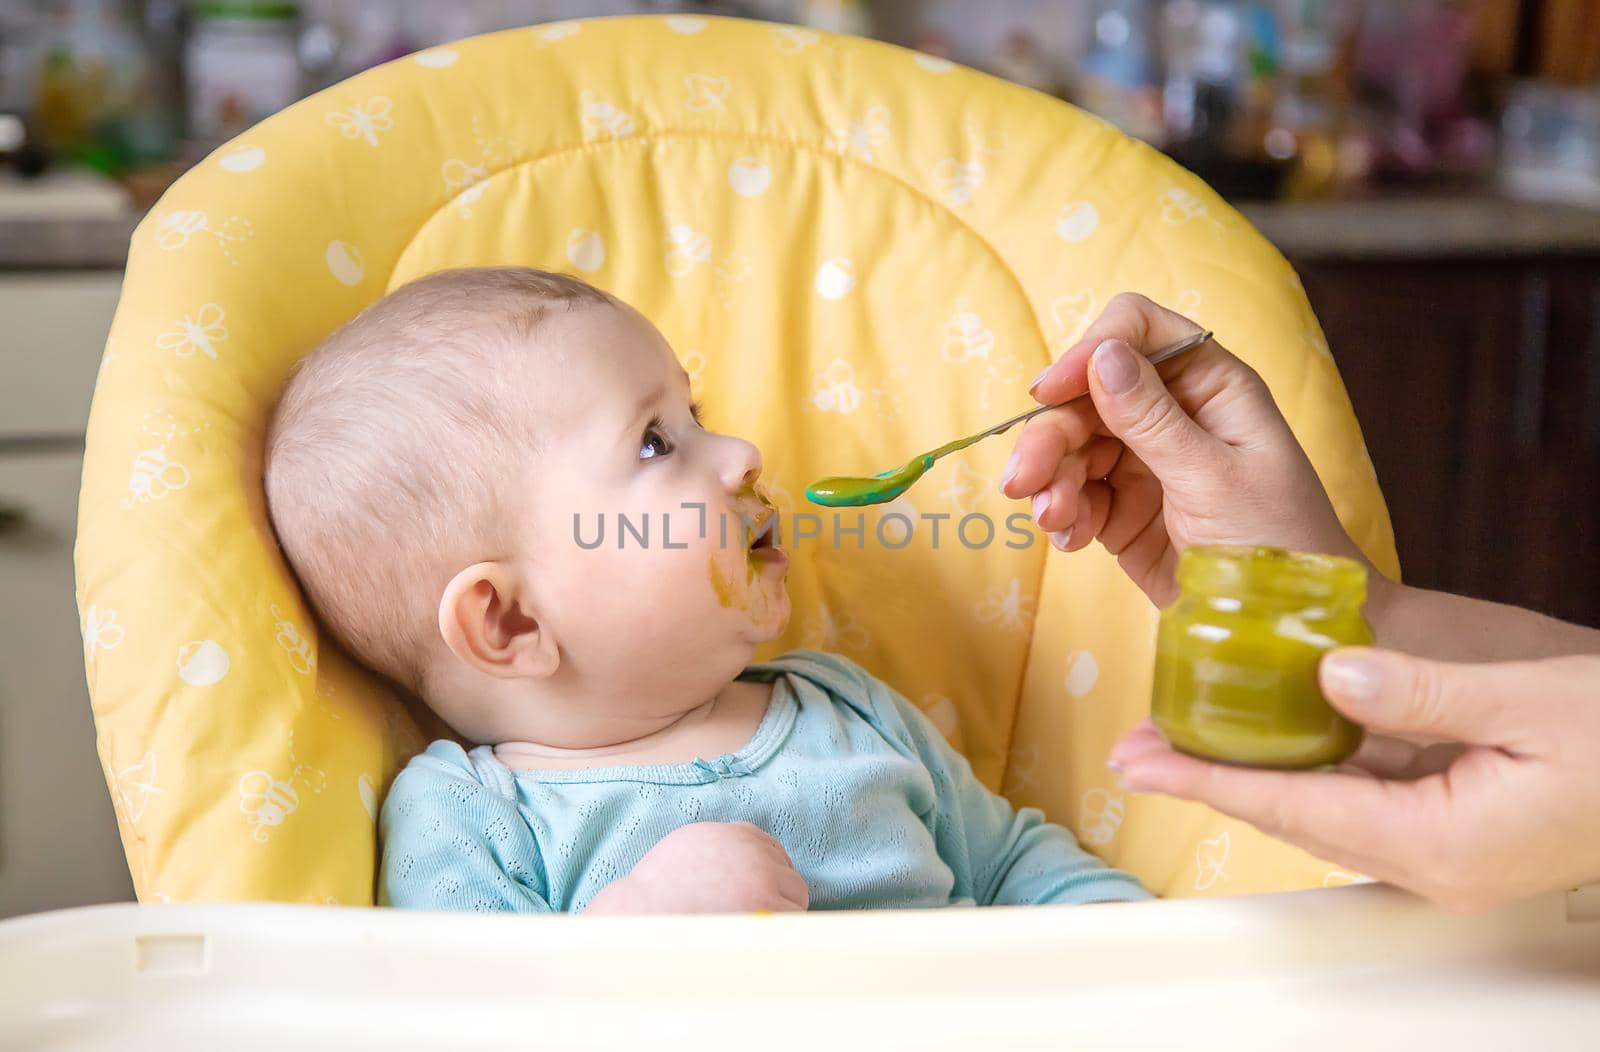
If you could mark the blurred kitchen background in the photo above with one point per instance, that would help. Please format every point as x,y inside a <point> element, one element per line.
<point>1268,99</point>
<point>1432,169</point>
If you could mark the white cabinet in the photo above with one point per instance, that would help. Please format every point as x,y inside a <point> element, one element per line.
<point>58,835</point>
<point>53,326</point>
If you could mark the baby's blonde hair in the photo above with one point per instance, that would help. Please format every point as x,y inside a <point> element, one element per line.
<point>388,453</point>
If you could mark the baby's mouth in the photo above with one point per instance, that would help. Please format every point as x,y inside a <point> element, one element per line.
<point>762,529</point>
<point>763,546</point>
<point>759,520</point>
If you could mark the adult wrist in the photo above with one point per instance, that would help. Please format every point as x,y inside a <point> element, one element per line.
<point>1383,596</point>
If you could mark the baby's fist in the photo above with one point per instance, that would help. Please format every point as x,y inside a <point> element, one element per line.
<point>709,867</point>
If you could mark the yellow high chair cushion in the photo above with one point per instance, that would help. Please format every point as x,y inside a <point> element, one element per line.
<point>858,252</point>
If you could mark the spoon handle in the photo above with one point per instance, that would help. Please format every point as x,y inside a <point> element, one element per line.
<point>1165,354</point>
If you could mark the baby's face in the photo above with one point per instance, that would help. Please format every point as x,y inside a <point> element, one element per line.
<point>673,593</point>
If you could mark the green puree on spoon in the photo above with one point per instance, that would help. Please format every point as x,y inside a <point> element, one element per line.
<point>848,491</point>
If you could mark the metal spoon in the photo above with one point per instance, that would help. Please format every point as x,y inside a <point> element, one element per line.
<point>846,491</point>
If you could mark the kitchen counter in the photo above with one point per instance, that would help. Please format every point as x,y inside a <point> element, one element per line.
<point>1391,228</point>
<point>98,243</point>
<point>1426,228</point>
<point>69,219</point>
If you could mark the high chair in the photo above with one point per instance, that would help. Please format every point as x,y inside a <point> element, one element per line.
<point>858,252</point>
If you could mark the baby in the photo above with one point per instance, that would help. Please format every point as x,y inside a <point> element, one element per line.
<point>427,472</point>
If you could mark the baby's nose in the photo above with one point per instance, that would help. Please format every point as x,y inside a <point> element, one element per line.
<point>744,465</point>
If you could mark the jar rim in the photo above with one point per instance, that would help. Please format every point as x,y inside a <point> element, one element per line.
<point>1259,570</point>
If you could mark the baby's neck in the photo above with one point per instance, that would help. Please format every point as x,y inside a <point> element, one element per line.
<point>723,724</point>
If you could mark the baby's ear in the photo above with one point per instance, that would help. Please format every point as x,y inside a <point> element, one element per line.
<point>487,620</point>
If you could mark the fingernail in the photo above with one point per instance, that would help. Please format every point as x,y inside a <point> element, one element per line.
<point>1114,765</point>
<point>1351,676</point>
<point>1011,470</point>
<point>1114,364</point>
<point>1037,380</point>
<point>1061,538</point>
<point>1041,504</point>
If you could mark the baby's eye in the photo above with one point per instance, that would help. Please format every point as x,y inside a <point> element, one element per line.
<point>654,443</point>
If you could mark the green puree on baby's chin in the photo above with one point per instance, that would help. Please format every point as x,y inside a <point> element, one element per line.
<point>844,491</point>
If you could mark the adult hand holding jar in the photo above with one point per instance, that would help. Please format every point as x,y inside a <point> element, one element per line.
<point>1479,779</point>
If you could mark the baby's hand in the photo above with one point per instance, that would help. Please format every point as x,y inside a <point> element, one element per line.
<point>708,867</point>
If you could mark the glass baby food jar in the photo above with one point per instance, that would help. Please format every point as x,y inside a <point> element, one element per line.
<point>1237,654</point>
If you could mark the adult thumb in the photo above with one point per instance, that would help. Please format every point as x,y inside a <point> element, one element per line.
<point>1137,407</point>
<point>1395,693</point>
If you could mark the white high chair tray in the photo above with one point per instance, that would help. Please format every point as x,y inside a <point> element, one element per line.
<point>1361,966</point>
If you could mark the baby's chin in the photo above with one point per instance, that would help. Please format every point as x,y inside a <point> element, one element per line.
<point>755,591</point>
<point>770,627</point>
<point>762,611</point>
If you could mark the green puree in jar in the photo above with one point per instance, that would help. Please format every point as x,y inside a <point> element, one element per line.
<point>1237,654</point>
